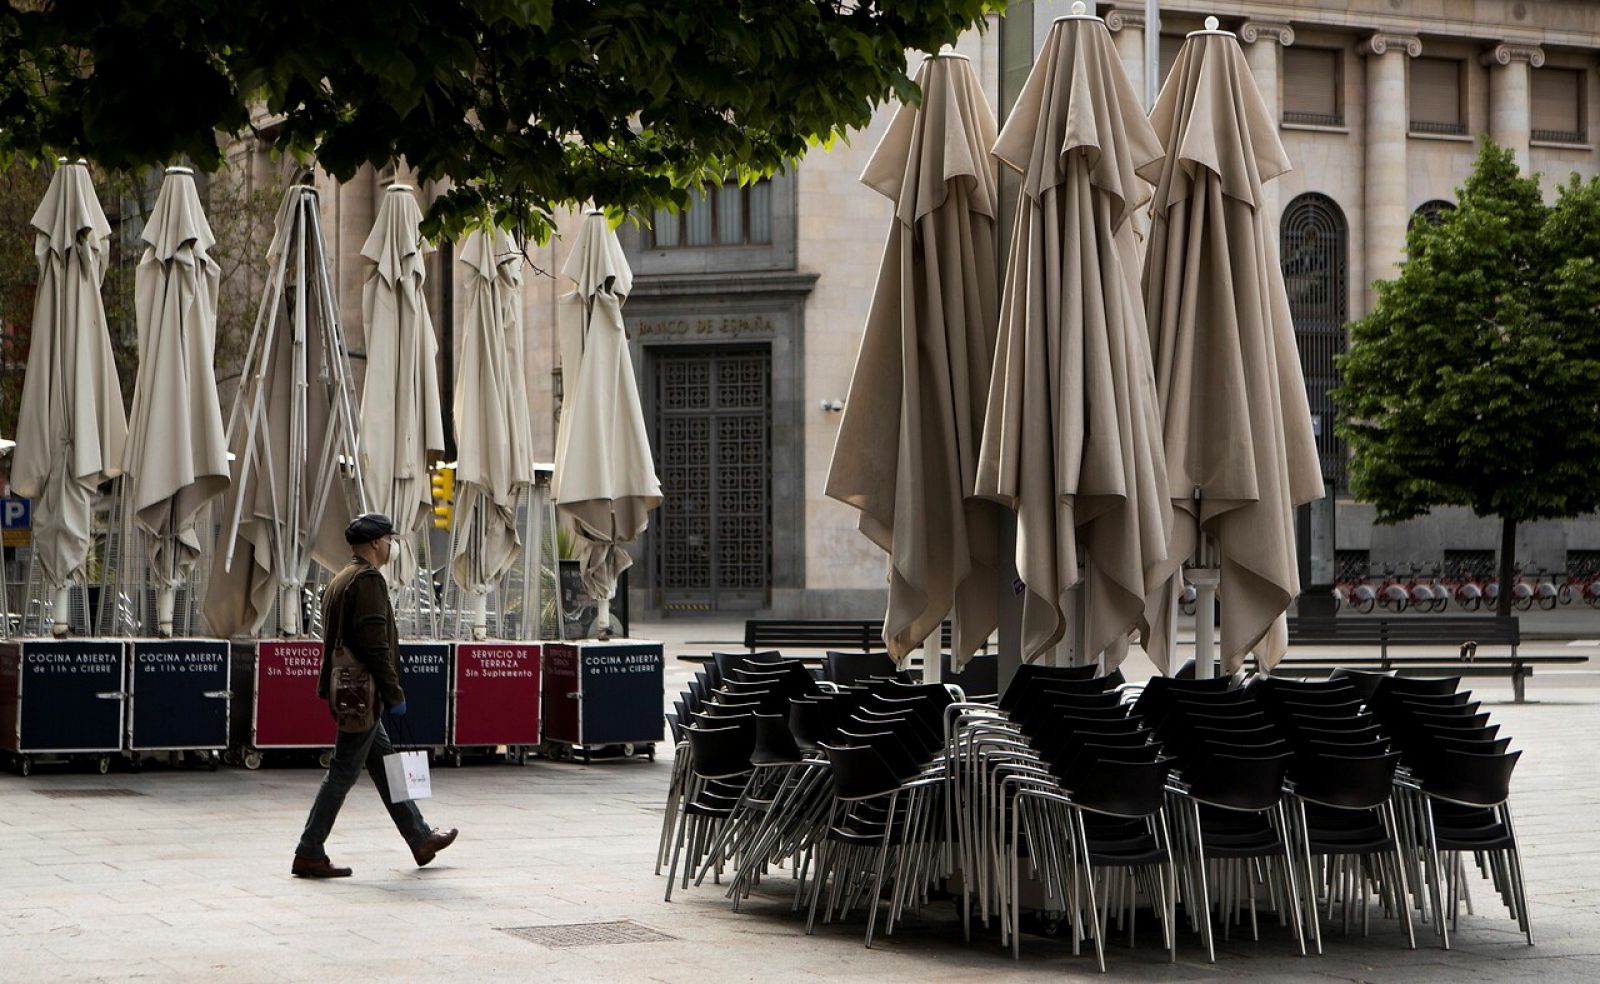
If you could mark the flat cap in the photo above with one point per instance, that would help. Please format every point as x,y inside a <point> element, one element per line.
<point>368,527</point>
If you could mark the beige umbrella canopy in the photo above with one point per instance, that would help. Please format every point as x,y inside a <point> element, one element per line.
<point>402,431</point>
<point>1239,447</point>
<point>293,435</point>
<point>907,450</point>
<point>71,429</point>
<point>494,445</point>
<point>177,454</point>
<point>605,478</point>
<point>1072,435</point>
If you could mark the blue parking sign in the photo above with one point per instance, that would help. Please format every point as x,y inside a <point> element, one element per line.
<point>16,520</point>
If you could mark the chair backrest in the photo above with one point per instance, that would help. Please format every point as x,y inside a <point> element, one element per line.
<point>1365,682</point>
<point>979,678</point>
<point>721,753</point>
<point>894,750</point>
<point>1467,777</point>
<point>723,662</point>
<point>775,744</point>
<point>1416,685</point>
<point>1240,783</point>
<point>848,668</point>
<point>859,771</point>
<point>1161,692</point>
<point>1032,675</point>
<point>1344,781</point>
<point>1126,789</point>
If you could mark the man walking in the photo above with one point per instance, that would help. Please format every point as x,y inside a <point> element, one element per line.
<point>357,617</point>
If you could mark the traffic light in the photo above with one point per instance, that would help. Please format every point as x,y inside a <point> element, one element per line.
<point>444,495</point>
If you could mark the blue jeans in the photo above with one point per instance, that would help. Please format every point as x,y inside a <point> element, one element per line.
<point>350,753</point>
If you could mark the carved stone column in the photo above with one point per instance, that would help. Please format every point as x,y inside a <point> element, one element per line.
<point>1511,94</point>
<point>1127,33</point>
<point>1263,43</point>
<point>1387,122</point>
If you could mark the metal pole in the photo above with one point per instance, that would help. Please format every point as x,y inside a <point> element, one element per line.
<point>1152,52</point>
<point>1205,581</point>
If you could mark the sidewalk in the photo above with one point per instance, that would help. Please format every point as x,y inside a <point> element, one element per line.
<point>182,876</point>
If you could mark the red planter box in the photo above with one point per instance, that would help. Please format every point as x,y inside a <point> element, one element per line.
<point>496,694</point>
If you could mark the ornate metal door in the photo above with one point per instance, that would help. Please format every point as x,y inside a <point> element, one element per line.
<point>1316,267</point>
<point>713,439</point>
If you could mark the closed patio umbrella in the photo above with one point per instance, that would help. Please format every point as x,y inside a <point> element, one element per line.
<point>293,434</point>
<point>70,429</point>
<point>907,451</point>
<point>494,444</point>
<point>1237,427</point>
<point>1072,433</point>
<point>402,431</point>
<point>605,478</point>
<point>177,452</point>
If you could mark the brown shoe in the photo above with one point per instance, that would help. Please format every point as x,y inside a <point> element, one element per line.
<point>305,867</point>
<point>430,848</point>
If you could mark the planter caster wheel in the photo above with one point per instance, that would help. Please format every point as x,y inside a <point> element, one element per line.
<point>25,766</point>
<point>104,764</point>
<point>628,750</point>
<point>325,759</point>
<point>650,752</point>
<point>251,760</point>
<point>455,759</point>
<point>212,761</point>
<point>522,755</point>
<point>136,763</point>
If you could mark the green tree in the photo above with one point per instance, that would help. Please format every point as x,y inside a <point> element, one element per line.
<point>1475,381</point>
<point>525,105</point>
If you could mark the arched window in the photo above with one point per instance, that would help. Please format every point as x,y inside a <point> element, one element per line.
<point>1432,211</point>
<point>1315,248</point>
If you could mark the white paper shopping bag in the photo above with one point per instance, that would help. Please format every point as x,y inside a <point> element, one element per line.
<point>408,776</point>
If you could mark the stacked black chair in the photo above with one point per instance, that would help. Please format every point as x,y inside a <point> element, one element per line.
<point>1456,790</point>
<point>882,825</point>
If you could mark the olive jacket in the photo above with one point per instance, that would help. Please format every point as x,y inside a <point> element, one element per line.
<point>356,609</point>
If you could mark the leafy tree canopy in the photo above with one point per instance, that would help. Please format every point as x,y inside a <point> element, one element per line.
<point>1475,381</point>
<point>525,105</point>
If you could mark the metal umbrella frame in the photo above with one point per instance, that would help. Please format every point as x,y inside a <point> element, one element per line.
<point>299,289</point>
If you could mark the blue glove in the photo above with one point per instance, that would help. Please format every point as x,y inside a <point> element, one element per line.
<point>398,710</point>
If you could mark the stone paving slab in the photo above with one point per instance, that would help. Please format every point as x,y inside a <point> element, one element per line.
<point>190,883</point>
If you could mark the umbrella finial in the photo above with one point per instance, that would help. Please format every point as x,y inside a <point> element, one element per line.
<point>1212,23</point>
<point>1079,8</point>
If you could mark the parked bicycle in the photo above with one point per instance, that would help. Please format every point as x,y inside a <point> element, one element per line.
<point>1355,594</point>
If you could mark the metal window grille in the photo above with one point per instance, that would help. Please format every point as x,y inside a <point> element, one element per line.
<point>1316,269</point>
<point>1462,565</point>
<point>1351,565</point>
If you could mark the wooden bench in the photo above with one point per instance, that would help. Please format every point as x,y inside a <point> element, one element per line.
<point>1419,630</point>
<point>865,635</point>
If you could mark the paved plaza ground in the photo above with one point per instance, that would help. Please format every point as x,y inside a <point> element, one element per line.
<point>183,876</point>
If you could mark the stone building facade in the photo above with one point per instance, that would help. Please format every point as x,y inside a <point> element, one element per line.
<point>748,309</point>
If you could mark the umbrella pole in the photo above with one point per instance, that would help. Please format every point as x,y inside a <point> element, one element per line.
<point>1205,580</point>
<point>271,301</point>
<point>334,339</point>
<point>932,663</point>
<point>62,621</point>
<point>533,566</point>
